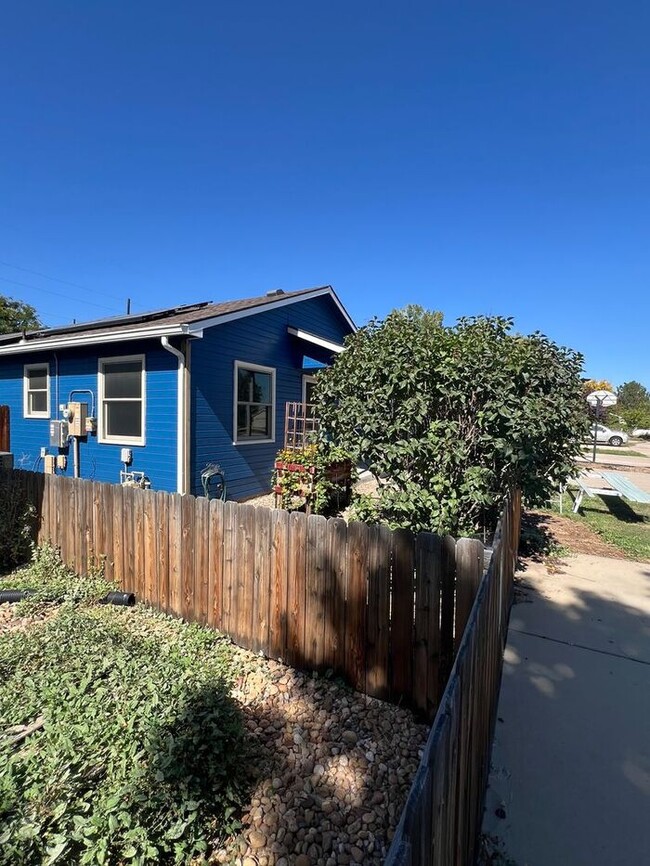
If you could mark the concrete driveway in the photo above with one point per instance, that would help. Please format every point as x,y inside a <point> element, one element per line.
<point>570,780</point>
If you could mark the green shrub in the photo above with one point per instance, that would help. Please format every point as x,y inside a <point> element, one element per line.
<point>17,518</point>
<point>450,418</point>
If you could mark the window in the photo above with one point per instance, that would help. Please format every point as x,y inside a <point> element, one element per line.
<point>36,391</point>
<point>254,403</point>
<point>121,400</point>
<point>308,384</point>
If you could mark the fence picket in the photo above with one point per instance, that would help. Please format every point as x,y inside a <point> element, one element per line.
<point>279,583</point>
<point>335,604</point>
<point>244,576</point>
<point>355,609</point>
<point>469,570</point>
<point>261,580</point>
<point>201,558</point>
<point>427,612</point>
<point>296,588</point>
<point>139,543</point>
<point>315,577</point>
<point>402,615</point>
<point>229,565</point>
<point>150,557</point>
<point>447,597</point>
<point>378,611</point>
<point>162,549</point>
<point>175,566</point>
<point>215,564</point>
<point>188,597</point>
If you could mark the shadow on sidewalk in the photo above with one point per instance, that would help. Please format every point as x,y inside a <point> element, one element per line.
<point>570,774</point>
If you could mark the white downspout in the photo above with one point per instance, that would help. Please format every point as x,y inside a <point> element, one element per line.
<point>181,426</point>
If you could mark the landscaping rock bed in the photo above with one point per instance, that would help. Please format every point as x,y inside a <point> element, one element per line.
<point>330,768</point>
<point>335,768</point>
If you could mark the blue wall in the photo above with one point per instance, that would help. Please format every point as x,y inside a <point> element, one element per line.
<point>260,339</point>
<point>78,369</point>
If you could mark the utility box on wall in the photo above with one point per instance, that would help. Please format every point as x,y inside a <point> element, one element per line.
<point>58,434</point>
<point>77,413</point>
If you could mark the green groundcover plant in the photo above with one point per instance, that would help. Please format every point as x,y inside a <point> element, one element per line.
<point>141,757</point>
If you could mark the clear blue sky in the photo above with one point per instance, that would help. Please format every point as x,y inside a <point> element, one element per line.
<point>471,157</point>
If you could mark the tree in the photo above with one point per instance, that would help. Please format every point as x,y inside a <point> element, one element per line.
<point>633,395</point>
<point>17,316</point>
<point>589,385</point>
<point>449,418</point>
<point>634,405</point>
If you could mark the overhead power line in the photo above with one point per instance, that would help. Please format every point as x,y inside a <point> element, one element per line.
<point>56,279</point>
<point>57,294</point>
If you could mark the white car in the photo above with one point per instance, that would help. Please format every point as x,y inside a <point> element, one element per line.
<point>605,436</point>
<point>641,433</point>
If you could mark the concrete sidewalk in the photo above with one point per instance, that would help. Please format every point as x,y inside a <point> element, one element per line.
<point>570,780</point>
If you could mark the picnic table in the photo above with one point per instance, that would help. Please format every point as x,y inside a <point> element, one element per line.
<point>619,486</point>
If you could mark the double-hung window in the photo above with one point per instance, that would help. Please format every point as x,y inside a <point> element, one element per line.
<point>122,400</point>
<point>254,403</point>
<point>36,391</point>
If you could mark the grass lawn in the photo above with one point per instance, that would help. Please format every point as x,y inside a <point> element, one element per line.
<point>622,524</point>
<point>604,453</point>
<point>138,753</point>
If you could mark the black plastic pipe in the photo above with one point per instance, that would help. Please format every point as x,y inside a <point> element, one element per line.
<point>122,599</point>
<point>10,596</point>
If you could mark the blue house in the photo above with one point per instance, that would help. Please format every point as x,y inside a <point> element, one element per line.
<point>173,390</point>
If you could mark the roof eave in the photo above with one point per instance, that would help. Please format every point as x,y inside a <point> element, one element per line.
<point>63,342</point>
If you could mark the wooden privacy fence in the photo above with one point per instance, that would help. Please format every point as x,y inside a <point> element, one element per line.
<point>442,818</point>
<point>381,608</point>
<point>5,441</point>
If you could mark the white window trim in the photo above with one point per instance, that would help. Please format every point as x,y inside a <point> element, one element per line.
<point>258,368</point>
<point>306,379</point>
<point>28,369</point>
<point>102,438</point>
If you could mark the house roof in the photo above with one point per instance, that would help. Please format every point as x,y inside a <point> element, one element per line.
<point>189,320</point>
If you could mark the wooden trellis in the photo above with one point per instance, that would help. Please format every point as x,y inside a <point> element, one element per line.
<point>300,426</point>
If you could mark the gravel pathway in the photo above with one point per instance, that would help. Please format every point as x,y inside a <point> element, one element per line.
<point>335,771</point>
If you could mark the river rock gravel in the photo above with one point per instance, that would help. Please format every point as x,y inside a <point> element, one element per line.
<point>334,770</point>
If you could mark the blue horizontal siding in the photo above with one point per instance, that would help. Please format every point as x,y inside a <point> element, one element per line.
<point>259,339</point>
<point>78,369</point>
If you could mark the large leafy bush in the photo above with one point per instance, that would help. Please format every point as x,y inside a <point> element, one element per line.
<point>449,418</point>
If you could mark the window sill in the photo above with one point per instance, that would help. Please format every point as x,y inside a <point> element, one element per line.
<point>122,440</point>
<point>45,416</point>
<point>239,442</point>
